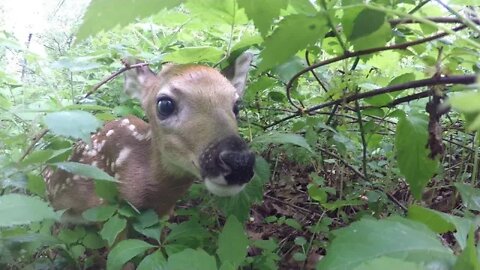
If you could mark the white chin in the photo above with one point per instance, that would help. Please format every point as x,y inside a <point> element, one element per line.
<point>218,186</point>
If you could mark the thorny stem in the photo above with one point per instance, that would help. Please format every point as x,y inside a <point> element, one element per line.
<point>475,159</point>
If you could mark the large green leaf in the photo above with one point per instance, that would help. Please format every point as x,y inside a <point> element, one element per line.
<point>283,138</point>
<point>232,243</point>
<point>470,196</point>
<point>468,259</point>
<point>99,213</point>
<point>412,154</point>
<point>18,209</point>
<point>192,260</point>
<point>383,263</point>
<point>153,261</point>
<point>262,13</point>
<point>437,221</point>
<point>294,33</point>
<point>106,14</point>
<point>368,239</point>
<point>124,251</point>
<point>366,28</point>
<point>112,228</point>
<point>194,54</point>
<point>75,124</point>
<point>84,170</point>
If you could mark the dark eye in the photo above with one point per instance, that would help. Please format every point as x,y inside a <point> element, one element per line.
<point>165,107</point>
<point>236,108</point>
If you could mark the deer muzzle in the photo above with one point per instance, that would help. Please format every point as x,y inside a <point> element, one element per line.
<point>227,165</point>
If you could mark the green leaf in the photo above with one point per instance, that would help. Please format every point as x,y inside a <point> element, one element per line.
<point>99,213</point>
<point>114,226</point>
<point>262,13</point>
<point>191,259</point>
<point>93,241</point>
<point>280,46</point>
<point>383,263</point>
<point>71,236</point>
<point>468,259</point>
<point>189,232</point>
<point>470,196</point>
<point>124,251</point>
<point>106,14</point>
<point>18,209</point>
<point>240,204</point>
<point>283,138</point>
<point>437,221</point>
<point>412,154</point>
<point>75,124</point>
<point>232,242</point>
<point>195,54</point>
<point>153,261</point>
<point>84,170</point>
<point>368,239</point>
<point>466,102</point>
<point>366,28</point>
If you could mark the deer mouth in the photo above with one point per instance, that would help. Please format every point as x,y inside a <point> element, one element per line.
<point>218,186</point>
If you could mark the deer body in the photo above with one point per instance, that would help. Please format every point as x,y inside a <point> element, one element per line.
<point>191,134</point>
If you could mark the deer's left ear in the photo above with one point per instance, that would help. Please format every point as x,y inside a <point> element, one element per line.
<point>237,73</point>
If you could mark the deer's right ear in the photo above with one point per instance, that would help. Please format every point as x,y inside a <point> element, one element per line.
<point>136,79</point>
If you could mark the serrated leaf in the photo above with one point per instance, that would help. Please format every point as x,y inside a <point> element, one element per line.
<point>195,54</point>
<point>368,239</point>
<point>112,228</point>
<point>280,45</point>
<point>18,209</point>
<point>99,213</point>
<point>106,14</point>
<point>283,138</point>
<point>84,170</point>
<point>366,22</point>
<point>437,221</point>
<point>124,251</point>
<point>197,260</point>
<point>262,13</point>
<point>412,154</point>
<point>153,261</point>
<point>74,124</point>
<point>232,242</point>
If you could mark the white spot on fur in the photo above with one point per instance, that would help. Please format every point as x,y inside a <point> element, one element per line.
<point>76,177</point>
<point>110,132</point>
<point>92,153</point>
<point>131,127</point>
<point>215,186</point>
<point>100,145</point>
<point>124,122</point>
<point>95,163</point>
<point>122,156</point>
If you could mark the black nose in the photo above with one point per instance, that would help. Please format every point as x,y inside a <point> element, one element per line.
<point>238,166</point>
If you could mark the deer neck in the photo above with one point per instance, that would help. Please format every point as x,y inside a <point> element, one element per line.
<point>167,183</point>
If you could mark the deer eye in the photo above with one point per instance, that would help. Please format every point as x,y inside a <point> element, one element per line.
<point>236,108</point>
<point>165,107</point>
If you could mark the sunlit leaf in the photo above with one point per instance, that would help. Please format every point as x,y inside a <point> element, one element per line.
<point>18,209</point>
<point>75,124</point>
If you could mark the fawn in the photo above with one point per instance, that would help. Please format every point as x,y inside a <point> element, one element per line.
<point>191,134</point>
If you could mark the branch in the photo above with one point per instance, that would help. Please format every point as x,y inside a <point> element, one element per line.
<point>347,55</point>
<point>457,79</point>
<point>112,76</point>
<point>395,22</point>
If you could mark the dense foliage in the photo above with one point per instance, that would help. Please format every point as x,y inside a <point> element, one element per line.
<point>366,116</point>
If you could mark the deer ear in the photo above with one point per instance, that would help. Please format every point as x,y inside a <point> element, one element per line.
<point>237,73</point>
<point>136,79</point>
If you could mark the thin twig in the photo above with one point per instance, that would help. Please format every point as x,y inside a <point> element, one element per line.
<point>395,22</point>
<point>314,73</point>
<point>347,55</point>
<point>362,136</point>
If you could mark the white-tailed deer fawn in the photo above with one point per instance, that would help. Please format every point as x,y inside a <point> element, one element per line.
<point>191,134</point>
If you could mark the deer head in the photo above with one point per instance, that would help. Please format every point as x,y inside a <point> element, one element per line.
<point>191,134</point>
